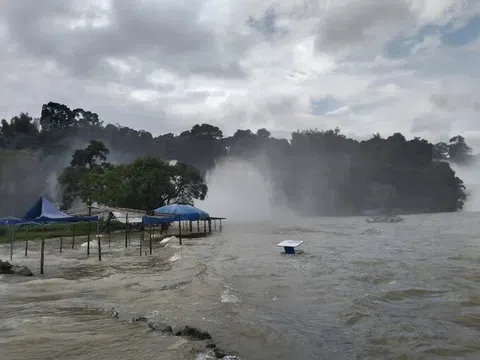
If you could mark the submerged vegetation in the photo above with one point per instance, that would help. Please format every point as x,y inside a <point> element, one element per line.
<point>315,172</point>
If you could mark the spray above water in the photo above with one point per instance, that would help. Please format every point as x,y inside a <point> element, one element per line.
<point>470,174</point>
<point>242,190</point>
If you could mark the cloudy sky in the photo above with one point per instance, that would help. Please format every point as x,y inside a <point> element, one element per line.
<point>365,66</point>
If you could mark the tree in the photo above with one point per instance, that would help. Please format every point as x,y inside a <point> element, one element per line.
<point>88,157</point>
<point>440,151</point>
<point>56,116</point>
<point>148,183</point>
<point>458,150</point>
<point>79,180</point>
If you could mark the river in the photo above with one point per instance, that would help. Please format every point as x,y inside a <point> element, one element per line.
<point>409,290</point>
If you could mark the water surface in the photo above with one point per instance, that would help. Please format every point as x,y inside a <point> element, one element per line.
<point>358,291</point>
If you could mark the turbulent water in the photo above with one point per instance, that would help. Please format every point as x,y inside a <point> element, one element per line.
<point>409,290</point>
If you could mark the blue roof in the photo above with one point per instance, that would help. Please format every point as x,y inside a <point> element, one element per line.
<point>183,212</point>
<point>152,220</point>
<point>43,211</point>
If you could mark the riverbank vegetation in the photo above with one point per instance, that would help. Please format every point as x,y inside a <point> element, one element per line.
<point>314,172</point>
<point>32,232</point>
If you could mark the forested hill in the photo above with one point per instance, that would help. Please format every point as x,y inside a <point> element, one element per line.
<point>317,172</point>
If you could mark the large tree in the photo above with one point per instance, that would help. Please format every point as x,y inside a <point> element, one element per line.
<point>79,179</point>
<point>148,183</point>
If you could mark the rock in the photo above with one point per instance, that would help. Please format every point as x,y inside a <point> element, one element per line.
<point>6,267</point>
<point>22,270</point>
<point>114,313</point>
<point>219,354</point>
<point>9,269</point>
<point>164,328</point>
<point>194,333</point>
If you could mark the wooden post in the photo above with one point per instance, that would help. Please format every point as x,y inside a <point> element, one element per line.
<point>109,238</point>
<point>141,242</point>
<point>209,226</point>
<point>99,242</point>
<point>73,236</point>
<point>190,226</point>
<point>215,224</point>
<point>151,242</point>
<point>205,227</point>
<point>220,225</point>
<point>180,231</point>
<point>61,244</point>
<point>198,226</point>
<point>10,233</point>
<point>126,230</point>
<point>26,241</point>
<point>89,231</point>
<point>42,251</point>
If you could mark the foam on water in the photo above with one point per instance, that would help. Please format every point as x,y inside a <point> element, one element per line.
<point>175,257</point>
<point>168,239</point>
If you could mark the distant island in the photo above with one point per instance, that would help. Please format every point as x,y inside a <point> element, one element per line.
<point>315,172</point>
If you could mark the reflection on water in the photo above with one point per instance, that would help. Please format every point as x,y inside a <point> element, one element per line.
<point>389,291</point>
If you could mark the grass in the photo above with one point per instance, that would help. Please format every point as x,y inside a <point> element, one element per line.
<point>52,231</point>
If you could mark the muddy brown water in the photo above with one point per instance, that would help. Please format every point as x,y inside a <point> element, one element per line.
<point>357,291</point>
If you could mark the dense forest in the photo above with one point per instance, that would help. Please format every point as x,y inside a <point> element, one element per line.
<point>316,172</point>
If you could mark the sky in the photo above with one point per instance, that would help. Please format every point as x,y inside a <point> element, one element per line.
<point>366,66</point>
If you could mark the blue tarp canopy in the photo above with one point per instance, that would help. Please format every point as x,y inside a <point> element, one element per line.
<point>43,211</point>
<point>152,220</point>
<point>183,212</point>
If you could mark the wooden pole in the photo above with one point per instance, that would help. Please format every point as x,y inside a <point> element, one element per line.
<point>209,226</point>
<point>151,242</point>
<point>89,231</point>
<point>141,242</point>
<point>190,226</point>
<point>198,226</point>
<point>10,233</point>
<point>61,244</point>
<point>73,236</point>
<point>215,224</point>
<point>26,241</point>
<point>99,242</point>
<point>220,225</point>
<point>42,251</point>
<point>126,230</point>
<point>205,227</point>
<point>180,231</point>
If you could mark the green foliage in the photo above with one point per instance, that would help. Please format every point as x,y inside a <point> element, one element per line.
<point>318,172</point>
<point>145,184</point>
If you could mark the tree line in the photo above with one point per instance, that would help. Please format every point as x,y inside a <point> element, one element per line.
<point>315,172</point>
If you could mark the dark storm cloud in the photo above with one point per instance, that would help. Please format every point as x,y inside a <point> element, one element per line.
<point>170,37</point>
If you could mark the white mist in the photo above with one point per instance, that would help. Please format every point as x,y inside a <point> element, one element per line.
<point>239,191</point>
<point>471,177</point>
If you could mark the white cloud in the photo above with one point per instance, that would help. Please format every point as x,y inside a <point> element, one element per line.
<point>164,65</point>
